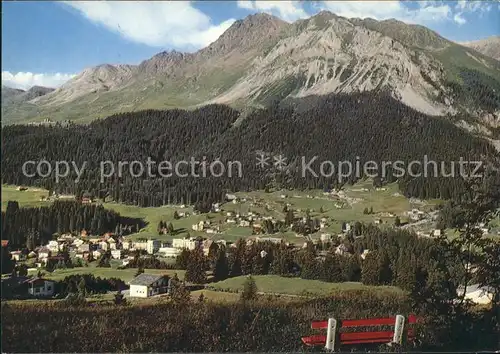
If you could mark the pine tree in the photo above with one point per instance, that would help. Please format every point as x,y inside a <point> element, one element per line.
<point>249,292</point>
<point>182,260</point>
<point>289,217</point>
<point>221,270</point>
<point>196,267</point>
<point>330,269</point>
<point>82,291</point>
<point>370,269</point>
<point>282,262</point>
<point>180,294</point>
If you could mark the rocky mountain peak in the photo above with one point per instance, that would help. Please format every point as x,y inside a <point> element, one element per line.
<point>414,36</point>
<point>37,91</point>
<point>488,46</point>
<point>247,33</point>
<point>163,62</point>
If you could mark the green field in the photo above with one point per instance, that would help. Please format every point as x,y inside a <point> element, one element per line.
<point>124,274</point>
<point>334,210</point>
<point>274,284</point>
<point>28,198</point>
<point>215,296</point>
<point>271,204</point>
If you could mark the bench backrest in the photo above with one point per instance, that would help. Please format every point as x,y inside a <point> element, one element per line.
<point>361,337</point>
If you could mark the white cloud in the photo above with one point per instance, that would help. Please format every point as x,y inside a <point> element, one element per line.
<point>418,12</point>
<point>155,23</point>
<point>459,19</point>
<point>25,80</point>
<point>426,11</point>
<point>286,10</point>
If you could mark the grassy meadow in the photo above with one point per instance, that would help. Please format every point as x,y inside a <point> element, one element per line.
<point>124,274</point>
<point>348,209</point>
<point>274,284</point>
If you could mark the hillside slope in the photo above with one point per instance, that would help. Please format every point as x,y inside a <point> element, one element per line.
<point>488,46</point>
<point>335,127</point>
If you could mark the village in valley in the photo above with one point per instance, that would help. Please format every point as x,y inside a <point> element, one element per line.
<point>295,219</point>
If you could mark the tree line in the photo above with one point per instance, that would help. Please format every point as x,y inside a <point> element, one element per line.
<point>32,226</point>
<point>357,128</point>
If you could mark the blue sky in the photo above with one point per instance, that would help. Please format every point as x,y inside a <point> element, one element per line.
<point>45,43</point>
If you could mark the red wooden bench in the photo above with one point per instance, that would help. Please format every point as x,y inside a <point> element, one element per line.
<point>365,337</point>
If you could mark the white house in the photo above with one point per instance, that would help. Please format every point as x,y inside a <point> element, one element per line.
<point>364,254</point>
<point>104,245</point>
<point>181,243</point>
<point>346,227</point>
<point>84,247</point>
<point>17,255</point>
<point>153,246</point>
<point>116,254</point>
<point>170,252</point>
<point>40,287</point>
<point>485,230</point>
<point>112,243</point>
<point>477,294</point>
<point>268,239</point>
<point>145,285</point>
<point>97,253</point>
<point>244,223</point>
<point>43,253</point>
<point>126,245</point>
<point>140,245</point>
<point>78,242</point>
<point>199,226</point>
<point>53,246</point>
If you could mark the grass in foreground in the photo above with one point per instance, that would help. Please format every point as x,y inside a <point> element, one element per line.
<point>274,284</point>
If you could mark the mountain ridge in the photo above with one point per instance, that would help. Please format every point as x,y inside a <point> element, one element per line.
<point>15,96</point>
<point>262,58</point>
<point>488,46</point>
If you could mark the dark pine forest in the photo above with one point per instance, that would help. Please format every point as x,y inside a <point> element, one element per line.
<point>372,127</point>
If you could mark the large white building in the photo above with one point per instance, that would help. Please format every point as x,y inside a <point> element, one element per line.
<point>181,243</point>
<point>140,245</point>
<point>170,252</point>
<point>145,285</point>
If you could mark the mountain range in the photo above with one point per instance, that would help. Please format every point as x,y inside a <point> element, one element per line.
<point>488,46</point>
<point>262,59</point>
